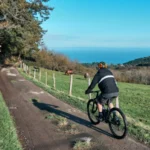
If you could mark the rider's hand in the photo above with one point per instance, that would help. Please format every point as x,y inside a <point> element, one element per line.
<point>87,92</point>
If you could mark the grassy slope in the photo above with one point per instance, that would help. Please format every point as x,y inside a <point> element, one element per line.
<point>133,99</point>
<point>8,136</point>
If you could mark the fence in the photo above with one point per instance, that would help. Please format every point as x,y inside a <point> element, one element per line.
<point>64,83</point>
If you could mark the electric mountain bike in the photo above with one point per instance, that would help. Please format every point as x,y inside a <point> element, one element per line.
<point>114,117</point>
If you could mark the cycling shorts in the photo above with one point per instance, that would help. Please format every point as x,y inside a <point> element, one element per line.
<point>103,98</point>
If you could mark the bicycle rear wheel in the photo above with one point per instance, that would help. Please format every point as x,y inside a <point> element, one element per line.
<point>117,123</point>
<point>92,110</point>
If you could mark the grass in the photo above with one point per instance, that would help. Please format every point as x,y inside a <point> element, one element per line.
<point>79,145</point>
<point>133,99</point>
<point>63,123</point>
<point>60,121</point>
<point>8,136</point>
<point>13,81</point>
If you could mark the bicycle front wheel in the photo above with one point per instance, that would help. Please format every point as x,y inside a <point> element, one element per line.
<point>92,110</point>
<point>117,123</point>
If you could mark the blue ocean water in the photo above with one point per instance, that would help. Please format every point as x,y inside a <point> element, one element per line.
<point>109,55</point>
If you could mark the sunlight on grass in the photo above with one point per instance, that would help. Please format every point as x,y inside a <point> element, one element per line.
<point>80,145</point>
<point>8,136</point>
<point>63,123</point>
<point>133,101</point>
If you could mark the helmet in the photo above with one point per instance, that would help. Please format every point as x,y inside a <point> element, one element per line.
<point>102,65</point>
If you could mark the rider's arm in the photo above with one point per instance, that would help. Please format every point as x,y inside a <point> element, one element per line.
<point>94,82</point>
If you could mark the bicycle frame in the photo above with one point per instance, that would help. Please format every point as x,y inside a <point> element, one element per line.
<point>120,129</point>
<point>104,109</point>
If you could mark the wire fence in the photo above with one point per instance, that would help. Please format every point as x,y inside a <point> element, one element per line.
<point>73,85</point>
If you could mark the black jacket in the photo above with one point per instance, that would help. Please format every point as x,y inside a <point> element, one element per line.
<point>105,80</point>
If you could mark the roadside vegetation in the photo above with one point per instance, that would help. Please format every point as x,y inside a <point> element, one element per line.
<point>20,27</point>
<point>21,41</point>
<point>63,124</point>
<point>8,135</point>
<point>82,145</point>
<point>57,62</point>
<point>133,100</point>
<point>139,75</point>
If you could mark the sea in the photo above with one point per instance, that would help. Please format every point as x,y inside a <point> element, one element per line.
<point>97,54</point>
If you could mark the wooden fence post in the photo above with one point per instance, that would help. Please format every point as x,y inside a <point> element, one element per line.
<point>40,75</point>
<point>26,69</point>
<point>29,70</point>
<point>71,81</point>
<point>23,66</point>
<point>46,77</point>
<point>89,82</point>
<point>54,84</point>
<point>34,74</point>
<point>117,102</point>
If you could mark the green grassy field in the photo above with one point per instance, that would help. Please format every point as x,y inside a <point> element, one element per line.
<point>8,136</point>
<point>133,100</point>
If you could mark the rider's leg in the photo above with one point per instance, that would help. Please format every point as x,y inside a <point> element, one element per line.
<point>111,105</point>
<point>100,108</point>
<point>99,103</point>
<point>115,118</point>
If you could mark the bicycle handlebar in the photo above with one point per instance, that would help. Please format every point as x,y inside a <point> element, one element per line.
<point>95,92</point>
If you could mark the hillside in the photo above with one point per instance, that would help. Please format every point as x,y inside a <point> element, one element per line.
<point>129,98</point>
<point>44,122</point>
<point>145,61</point>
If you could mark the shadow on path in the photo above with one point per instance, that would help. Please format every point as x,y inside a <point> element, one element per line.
<point>53,109</point>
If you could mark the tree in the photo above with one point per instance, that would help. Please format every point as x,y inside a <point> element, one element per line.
<point>20,30</point>
<point>21,12</point>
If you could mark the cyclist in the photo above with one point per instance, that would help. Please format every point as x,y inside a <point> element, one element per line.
<point>107,85</point>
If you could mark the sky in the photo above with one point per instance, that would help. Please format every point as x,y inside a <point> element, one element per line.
<point>98,23</point>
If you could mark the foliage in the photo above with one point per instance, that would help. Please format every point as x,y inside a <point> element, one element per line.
<point>92,65</point>
<point>139,75</point>
<point>133,99</point>
<point>82,145</point>
<point>8,136</point>
<point>139,62</point>
<point>58,62</point>
<point>129,73</point>
<point>145,61</point>
<point>23,33</point>
<point>21,12</point>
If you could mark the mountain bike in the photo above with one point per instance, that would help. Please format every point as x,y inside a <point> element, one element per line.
<point>114,117</point>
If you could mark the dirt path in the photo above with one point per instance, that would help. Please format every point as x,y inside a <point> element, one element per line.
<point>30,106</point>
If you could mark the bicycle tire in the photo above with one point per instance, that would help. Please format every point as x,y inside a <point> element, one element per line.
<point>92,111</point>
<point>122,125</point>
